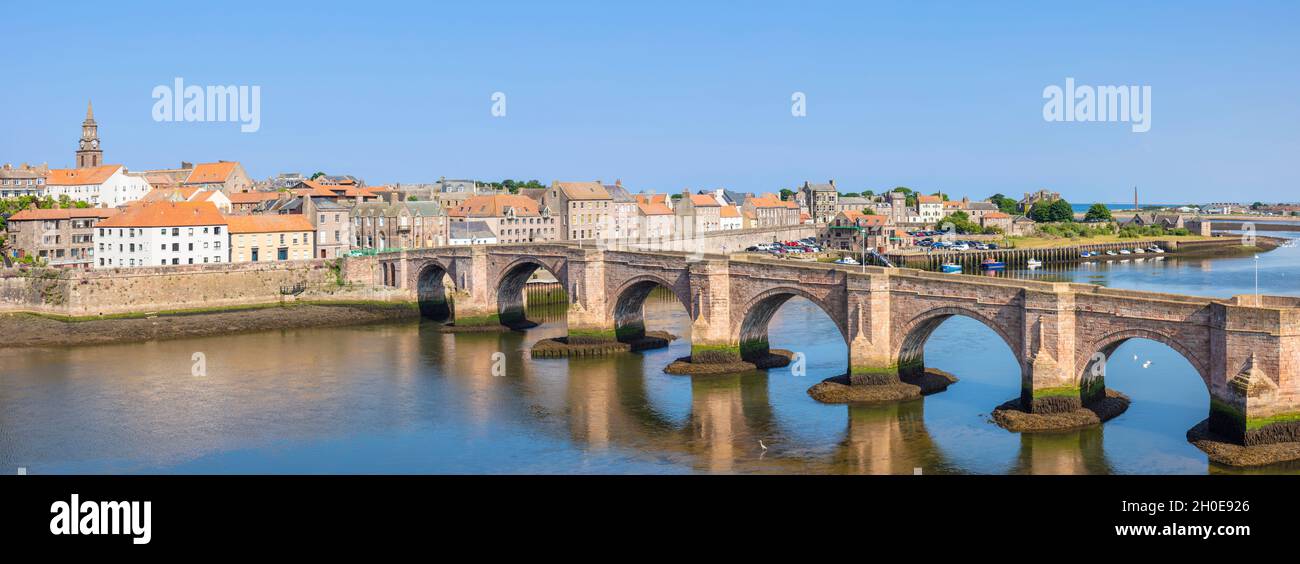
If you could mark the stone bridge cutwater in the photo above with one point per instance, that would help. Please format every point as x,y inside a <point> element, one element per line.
<point>1246,349</point>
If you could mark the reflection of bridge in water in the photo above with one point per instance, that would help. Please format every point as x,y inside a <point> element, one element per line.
<point>1243,348</point>
<point>609,404</point>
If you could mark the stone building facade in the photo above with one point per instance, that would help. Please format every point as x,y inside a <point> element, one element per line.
<point>57,237</point>
<point>395,224</point>
<point>821,200</point>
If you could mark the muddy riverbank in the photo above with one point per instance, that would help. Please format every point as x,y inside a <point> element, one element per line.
<point>31,330</point>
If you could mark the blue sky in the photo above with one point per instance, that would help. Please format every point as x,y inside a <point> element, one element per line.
<point>665,95</point>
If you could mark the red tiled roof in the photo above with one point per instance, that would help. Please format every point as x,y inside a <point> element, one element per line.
<point>583,190</point>
<point>495,206</point>
<point>211,173</point>
<point>252,197</point>
<point>80,176</point>
<point>268,223</point>
<point>167,214</point>
<point>704,200</point>
<point>657,208</point>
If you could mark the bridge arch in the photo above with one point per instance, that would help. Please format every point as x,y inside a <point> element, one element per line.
<point>1109,343</point>
<point>431,290</point>
<point>915,333</point>
<point>512,278</point>
<point>628,305</point>
<point>751,333</point>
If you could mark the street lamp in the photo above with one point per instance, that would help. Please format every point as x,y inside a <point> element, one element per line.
<point>1257,300</point>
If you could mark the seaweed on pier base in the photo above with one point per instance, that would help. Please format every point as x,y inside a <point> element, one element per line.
<point>1222,450</point>
<point>1012,417</point>
<point>561,347</point>
<point>843,388</point>
<point>774,358</point>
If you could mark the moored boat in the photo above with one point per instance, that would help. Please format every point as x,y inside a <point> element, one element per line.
<point>950,268</point>
<point>1033,263</point>
<point>990,264</point>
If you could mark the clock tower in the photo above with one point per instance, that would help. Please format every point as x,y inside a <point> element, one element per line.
<point>88,152</point>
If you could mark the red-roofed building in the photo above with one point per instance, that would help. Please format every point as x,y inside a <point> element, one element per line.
<point>512,218</point>
<point>107,185</point>
<point>655,220</point>
<point>226,176</point>
<point>729,218</point>
<point>584,209</point>
<point>57,237</point>
<point>270,238</point>
<point>162,233</point>
<point>852,230</point>
<point>698,213</point>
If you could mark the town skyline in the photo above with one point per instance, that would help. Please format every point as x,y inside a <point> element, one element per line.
<point>889,103</point>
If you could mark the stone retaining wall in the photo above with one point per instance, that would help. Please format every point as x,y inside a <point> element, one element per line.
<point>80,293</point>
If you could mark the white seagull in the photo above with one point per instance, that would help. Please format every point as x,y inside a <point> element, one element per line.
<point>760,443</point>
<point>1146,364</point>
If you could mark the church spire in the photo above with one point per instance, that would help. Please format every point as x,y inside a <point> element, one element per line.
<point>90,111</point>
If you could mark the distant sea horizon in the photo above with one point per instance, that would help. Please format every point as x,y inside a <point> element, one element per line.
<point>1083,208</point>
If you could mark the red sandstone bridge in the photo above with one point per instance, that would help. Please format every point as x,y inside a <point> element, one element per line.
<point>1246,349</point>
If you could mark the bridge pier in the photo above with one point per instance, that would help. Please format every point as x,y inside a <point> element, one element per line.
<point>1255,380</point>
<point>870,358</point>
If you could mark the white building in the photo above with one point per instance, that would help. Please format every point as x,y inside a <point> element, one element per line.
<point>929,209</point>
<point>729,218</point>
<point>471,233</point>
<point>655,220</point>
<point>107,185</point>
<point>163,233</point>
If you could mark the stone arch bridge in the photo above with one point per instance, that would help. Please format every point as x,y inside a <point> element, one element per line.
<point>1246,349</point>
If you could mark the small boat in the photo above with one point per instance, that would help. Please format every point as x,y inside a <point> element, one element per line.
<point>1111,253</point>
<point>1033,263</point>
<point>1139,250</point>
<point>1155,249</point>
<point>990,264</point>
<point>1086,254</point>
<point>950,268</point>
<point>848,260</point>
<point>1125,252</point>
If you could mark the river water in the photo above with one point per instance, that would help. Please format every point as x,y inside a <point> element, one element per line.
<point>404,398</point>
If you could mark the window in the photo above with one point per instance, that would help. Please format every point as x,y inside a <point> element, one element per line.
<point>216,230</point>
<point>176,232</point>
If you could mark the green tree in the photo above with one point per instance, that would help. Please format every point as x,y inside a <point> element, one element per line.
<point>961,223</point>
<point>911,196</point>
<point>1054,212</point>
<point>850,195</point>
<point>786,193</point>
<point>1005,205</point>
<point>317,175</point>
<point>1098,212</point>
